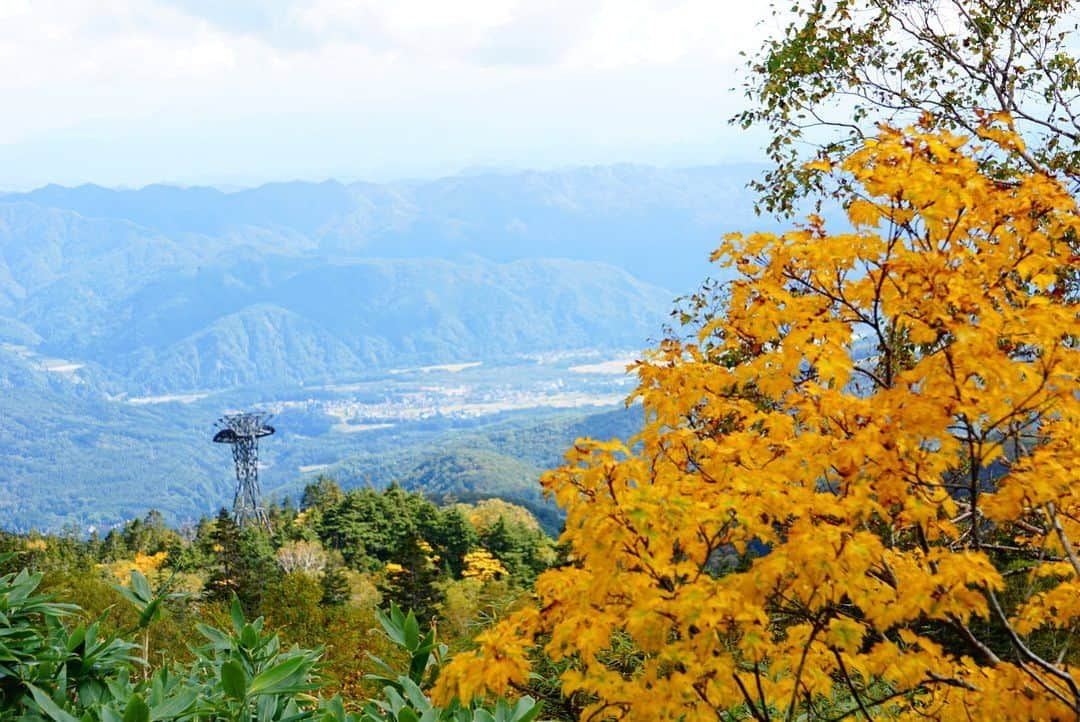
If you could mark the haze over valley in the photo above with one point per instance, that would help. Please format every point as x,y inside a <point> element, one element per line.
<point>392,328</point>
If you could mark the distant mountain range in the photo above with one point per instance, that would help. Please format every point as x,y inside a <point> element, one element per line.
<point>109,295</point>
<point>658,224</point>
<point>172,288</point>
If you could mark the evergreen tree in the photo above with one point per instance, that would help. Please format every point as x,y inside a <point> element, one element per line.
<point>454,536</point>
<point>148,535</point>
<point>517,547</point>
<point>412,580</point>
<point>323,494</point>
<point>224,543</point>
<point>113,547</point>
<point>347,527</point>
<point>335,586</point>
<point>243,562</point>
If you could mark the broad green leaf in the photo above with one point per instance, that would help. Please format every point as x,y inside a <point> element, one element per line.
<point>136,710</point>
<point>266,680</point>
<point>219,638</point>
<point>150,613</point>
<point>49,707</point>
<point>407,715</point>
<point>249,638</point>
<point>174,706</point>
<point>390,624</point>
<point>336,708</point>
<point>77,636</point>
<point>233,679</point>
<point>414,694</point>
<point>140,586</point>
<point>237,613</point>
<point>525,710</point>
<point>412,632</point>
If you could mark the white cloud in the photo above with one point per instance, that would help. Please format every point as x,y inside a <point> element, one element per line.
<point>629,32</point>
<point>423,27</point>
<point>413,83</point>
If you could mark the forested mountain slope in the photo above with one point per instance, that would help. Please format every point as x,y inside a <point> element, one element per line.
<point>120,310</point>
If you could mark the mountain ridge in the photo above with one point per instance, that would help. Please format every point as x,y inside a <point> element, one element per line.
<point>589,213</point>
<point>124,333</point>
<point>148,283</point>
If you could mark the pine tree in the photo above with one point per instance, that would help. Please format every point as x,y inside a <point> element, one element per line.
<point>454,536</point>
<point>335,586</point>
<point>225,547</point>
<point>412,579</point>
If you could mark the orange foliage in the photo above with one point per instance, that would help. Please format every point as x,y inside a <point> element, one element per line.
<point>837,471</point>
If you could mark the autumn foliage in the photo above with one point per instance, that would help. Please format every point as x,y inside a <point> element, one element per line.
<point>857,493</point>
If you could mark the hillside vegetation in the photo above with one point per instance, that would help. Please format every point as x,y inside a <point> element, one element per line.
<point>144,594</point>
<point>844,487</point>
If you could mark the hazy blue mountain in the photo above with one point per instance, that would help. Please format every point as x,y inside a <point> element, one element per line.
<point>165,289</point>
<point>659,224</point>
<point>340,319</point>
<point>303,207</point>
<point>287,290</point>
<point>281,322</point>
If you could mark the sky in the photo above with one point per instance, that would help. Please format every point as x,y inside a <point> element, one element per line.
<point>240,92</point>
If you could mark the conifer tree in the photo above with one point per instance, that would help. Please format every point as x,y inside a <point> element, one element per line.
<point>228,561</point>
<point>335,585</point>
<point>411,579</point>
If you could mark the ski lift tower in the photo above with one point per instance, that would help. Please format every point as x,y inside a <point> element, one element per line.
<point>242,432</point>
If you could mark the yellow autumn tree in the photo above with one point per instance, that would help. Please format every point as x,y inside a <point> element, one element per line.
<point>857,492</point>
<point>149,565</point>
<point>482,565</point>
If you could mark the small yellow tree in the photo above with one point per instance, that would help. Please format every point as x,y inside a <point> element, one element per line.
<point>149,565</point>
<point>482,565</point>
<point>857,493</point>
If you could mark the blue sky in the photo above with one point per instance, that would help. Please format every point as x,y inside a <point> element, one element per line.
<point>131,92</point>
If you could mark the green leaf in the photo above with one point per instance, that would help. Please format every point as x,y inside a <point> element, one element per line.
<point>128,595</point>
<point>216,636</point>
<point>249,637</point>
<point>174,707</point>
<point>268,679</point>
<point>140,586</point>
<point>49,707</point>
<point>412,632</point>
<point>335,708</point>
<point>136,710</point>
<point>397,615</point>
<point>414,694</point>
<point>233,679</point>
<point>150,613</point>
<point>526,710</point>
<point>419,664</point>
<point>266,707</point>
<point>77,636</point>
<point>237,613</point>
<point>391,625</point>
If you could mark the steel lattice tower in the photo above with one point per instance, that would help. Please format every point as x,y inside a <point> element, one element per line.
<point>242,432</point>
